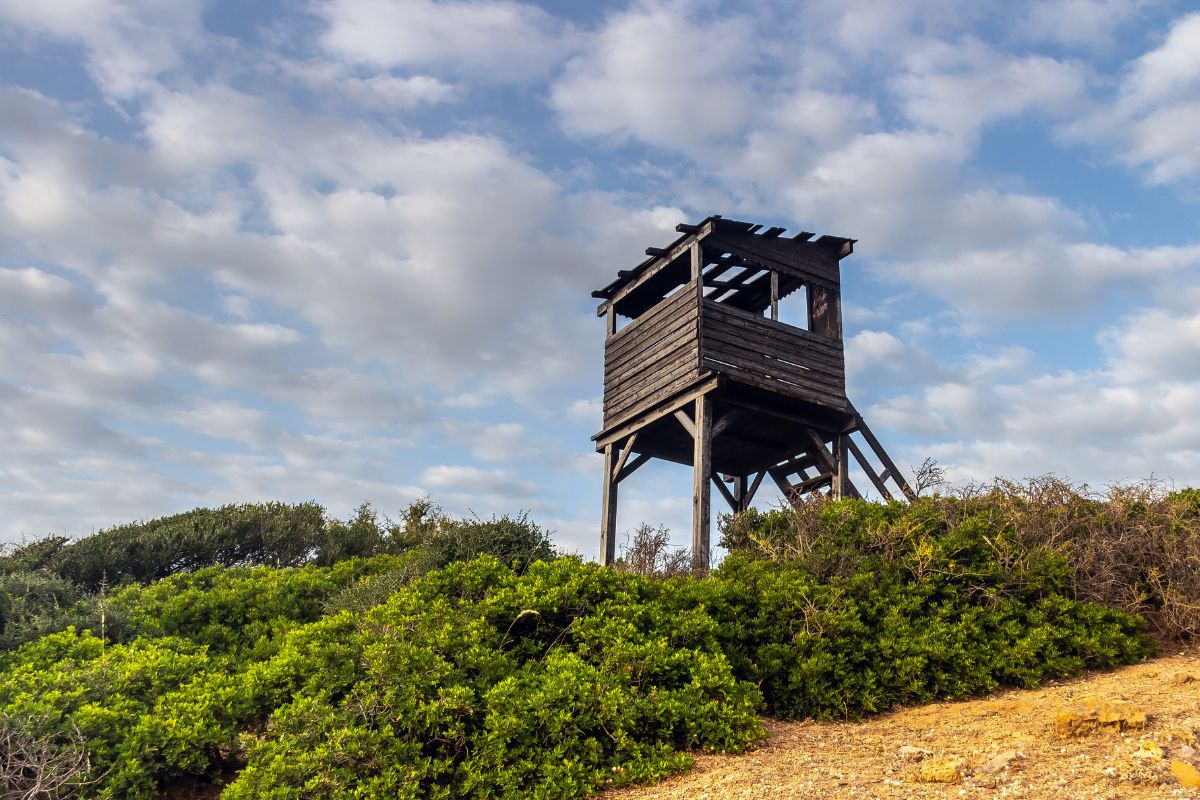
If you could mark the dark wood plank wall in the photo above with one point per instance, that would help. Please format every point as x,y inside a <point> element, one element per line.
<point>772,355</point>
<point>652,357</point>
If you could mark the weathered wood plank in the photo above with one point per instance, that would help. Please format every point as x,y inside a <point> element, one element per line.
<point>633,392</point>
<point>632,466</point>
<point>665,308</point>
<point>724,350</point>
<point>662,408</point>
<point>868,469</point>
<point>668,355</point>
<point>686,422</point>
<point>625,451</point>
<point>637,394</point>
<point>805,260</point>
<point>793,351</point>
<point>701,483</point>
<point>746,320</point>
<point>608,514</point>
<point>811,395</point>
<point>728,495</point>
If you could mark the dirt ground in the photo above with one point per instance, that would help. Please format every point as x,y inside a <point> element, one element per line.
<point>1060,741</point>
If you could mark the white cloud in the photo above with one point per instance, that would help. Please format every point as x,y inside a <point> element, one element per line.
<point>129,43</point>
<point>489,39</point>
<point>1032,278</point>
<point>379,92</point>
<point>1077,23</point>
<point>1135,416</point>
<point>957,88</point>
<point>662,74</point>
<point>469,480</point>
<point>1169,71</point>
<point>1153,123</point>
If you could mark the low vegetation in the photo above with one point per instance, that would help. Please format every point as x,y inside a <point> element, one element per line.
<point>439,657</point>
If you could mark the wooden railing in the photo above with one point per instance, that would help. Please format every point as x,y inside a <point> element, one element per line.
<point>652,357</point>
<point>772,355</point>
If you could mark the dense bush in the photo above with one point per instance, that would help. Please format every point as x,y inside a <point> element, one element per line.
<point>474,681</point>
<point>53,583</point>
<point>426,671</point>
<point>1134,548</point>
<point>34,602</point>
<point>275,534</point>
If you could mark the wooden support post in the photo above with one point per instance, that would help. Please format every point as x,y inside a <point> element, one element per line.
<point>838,483</point>
<point>612,320</point>
<point>748,497</point>
<point>842,487</point>
<point>739,493</point>
<point>774,295</point>
<point>608,517</point>
<point>701,483</point>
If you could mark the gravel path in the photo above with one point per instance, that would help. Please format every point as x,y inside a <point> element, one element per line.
<point>1008,745</point>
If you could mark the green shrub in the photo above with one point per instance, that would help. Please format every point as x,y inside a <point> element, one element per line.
<point>433,671</point>
<point>859,644</point>
<point>1134,547</point>
<point>36,602</point>
<point>475,680</point>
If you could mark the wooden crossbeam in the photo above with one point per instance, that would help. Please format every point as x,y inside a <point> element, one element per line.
<point>781,481</point>
<point>632,466</point>
<point>821,451</point>
<point>686,422</point>
<point>663,409</point>
<point>753,488</point>
<point>813,483</point>
<point>725,421</point>
<point>878,482</point>
<point>890,468</point>
<point>728,495</point>
<point>620,465</point>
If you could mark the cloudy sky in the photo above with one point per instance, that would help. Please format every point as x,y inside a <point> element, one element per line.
<point>342,249</point>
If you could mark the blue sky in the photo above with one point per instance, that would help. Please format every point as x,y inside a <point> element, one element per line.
<point>342,249</point>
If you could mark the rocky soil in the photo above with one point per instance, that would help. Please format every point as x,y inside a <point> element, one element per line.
<point>1131,734</point>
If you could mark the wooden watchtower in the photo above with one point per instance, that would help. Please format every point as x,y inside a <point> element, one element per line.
<point>706,374</point>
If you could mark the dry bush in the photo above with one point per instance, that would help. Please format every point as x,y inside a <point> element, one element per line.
<point>1135,547</point>
<point>648,552</point>
<point>37,765</point>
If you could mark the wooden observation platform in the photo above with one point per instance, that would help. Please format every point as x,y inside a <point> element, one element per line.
<point>706,374</point>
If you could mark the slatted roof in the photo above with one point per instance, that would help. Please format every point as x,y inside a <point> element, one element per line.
<point>668,267</point>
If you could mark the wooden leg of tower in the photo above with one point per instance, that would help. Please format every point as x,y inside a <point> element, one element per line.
<point>748,497</point>
<point>701,488</point>
<point>739,493</point>
<point>842,487</point>
<point>608,518</point>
